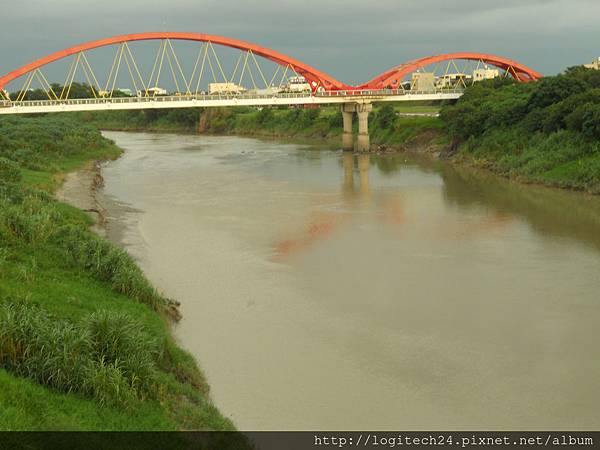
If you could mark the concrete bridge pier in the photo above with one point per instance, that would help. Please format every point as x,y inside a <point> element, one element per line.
<point>362,110</point>
<point>347,137</point>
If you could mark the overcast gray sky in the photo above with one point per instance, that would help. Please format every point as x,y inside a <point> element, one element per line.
<point>353,40</point>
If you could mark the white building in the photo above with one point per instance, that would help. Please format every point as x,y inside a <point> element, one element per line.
<point>594,65</point>
<point>152,92</point>
<point>423,81</point>
<point>453,80</point>
<point>485,74</point>
<point>225,88</point>
<point>297,84</point>
<point>272,90</point>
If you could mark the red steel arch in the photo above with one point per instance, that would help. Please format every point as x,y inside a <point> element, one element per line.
<point>314,76</point>
<point>393,77</point>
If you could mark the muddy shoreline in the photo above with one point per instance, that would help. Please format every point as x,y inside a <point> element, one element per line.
<point>79,189</point>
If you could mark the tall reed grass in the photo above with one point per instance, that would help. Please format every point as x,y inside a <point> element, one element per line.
<point>109,356</point>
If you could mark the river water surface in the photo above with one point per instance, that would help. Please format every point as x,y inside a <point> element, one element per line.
<point>325,290</point>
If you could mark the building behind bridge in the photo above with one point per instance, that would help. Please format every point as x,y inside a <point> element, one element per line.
<point>594,65</point>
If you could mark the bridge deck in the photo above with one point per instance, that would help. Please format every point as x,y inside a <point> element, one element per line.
<point>207,101</point>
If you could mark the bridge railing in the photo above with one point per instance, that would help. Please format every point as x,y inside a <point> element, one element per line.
<point>363,93</point>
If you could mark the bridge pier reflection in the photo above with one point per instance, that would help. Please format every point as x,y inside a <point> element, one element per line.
<point>362,110</point>
<point>363,162</point>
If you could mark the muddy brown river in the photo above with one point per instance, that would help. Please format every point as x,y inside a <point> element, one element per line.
<point>325,290</point>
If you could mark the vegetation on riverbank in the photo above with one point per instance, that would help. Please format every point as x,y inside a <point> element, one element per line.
<point>546,132</point>
<point>389,124</point>
<point>85,340</point>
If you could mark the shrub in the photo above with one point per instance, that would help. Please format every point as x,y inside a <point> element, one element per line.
<point>108,356</point>
<point>386,116</point>
<point>9,171</point>
<point>590,124</point>
<point>108,263</point>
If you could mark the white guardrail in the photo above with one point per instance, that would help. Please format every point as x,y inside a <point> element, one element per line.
<point>354,94</point>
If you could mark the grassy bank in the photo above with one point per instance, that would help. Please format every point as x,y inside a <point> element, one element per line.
<point>545,132</point>
<point>388,126</point>
<point>85,340</point>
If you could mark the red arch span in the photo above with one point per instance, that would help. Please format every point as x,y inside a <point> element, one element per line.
<point>310,73</point>
<point>394,77</point>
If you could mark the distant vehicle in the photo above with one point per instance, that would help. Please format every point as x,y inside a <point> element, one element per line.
<point>225,88</point>
<point>297,84</point>
<point>152,92</point>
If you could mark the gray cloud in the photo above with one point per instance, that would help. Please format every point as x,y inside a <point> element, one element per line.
<point>351,39</point>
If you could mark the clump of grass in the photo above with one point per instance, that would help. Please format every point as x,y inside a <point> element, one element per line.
<point>109,263</point>
<point>32,220</point>
<point>109,356</point>
<point>119,341</point>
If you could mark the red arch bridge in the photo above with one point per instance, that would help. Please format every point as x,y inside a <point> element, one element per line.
<point>210,71</point>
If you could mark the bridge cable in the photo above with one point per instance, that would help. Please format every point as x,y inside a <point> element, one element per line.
<point>131,73</point>
<point>137,70</point>
<point>154,67</point>
<point>41,77</point>
<point>211,67</point>
<point>187,85</point>
<point>68,77</point>
<point>196,68</point>
<point>202,67</point>
<point>112,68</point>
<point>218,62</point>
<point>259,69</point>
<point>25,87</point>
<point>235,69</point>
<point>91,71</point>
<point>275,74</point>
<point>117,71</point>
<point>162,59</point>
<point>170,61</point>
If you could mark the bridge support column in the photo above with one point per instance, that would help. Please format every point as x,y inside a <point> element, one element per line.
<point>347,138</point>
<point>363,110</point>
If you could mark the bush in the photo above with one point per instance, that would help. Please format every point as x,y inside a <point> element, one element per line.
<point>265,115</point>
<point>386,116</point>
<point>33,220</point>
<point>9,171</point>
<point>108,263</point>
<point>109,356</point>
<point>590,124</point>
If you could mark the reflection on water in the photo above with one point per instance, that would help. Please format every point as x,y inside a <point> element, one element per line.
<point>326,290</point>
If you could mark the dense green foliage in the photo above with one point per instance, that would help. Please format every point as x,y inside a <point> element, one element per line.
<point>547,131</point>
<point>184,119</point>
<point>77,316</point>
<point>388,126</point>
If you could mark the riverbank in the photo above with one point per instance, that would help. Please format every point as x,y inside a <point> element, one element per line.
<point>545,133</point>
<point>85,340</point>
<point>260,228</point>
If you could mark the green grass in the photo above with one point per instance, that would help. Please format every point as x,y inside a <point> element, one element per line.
<point>26,405</point>
<point>85,340</point>
<point>545,132</point>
